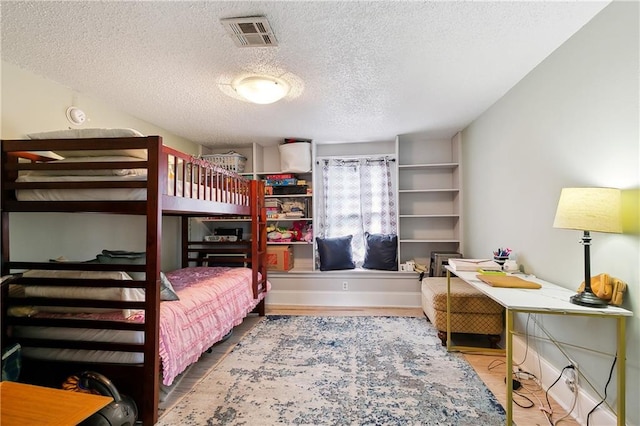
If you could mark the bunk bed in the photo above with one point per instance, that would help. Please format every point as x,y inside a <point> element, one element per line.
<point>130,176</point>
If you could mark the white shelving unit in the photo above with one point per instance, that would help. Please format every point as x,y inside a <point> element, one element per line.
<point>429,196</point>
<point>261,162</point>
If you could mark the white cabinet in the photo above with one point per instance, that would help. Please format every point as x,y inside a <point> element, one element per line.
<point>429,196</point>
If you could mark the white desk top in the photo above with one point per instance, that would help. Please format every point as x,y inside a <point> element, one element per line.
<point>549,298</point>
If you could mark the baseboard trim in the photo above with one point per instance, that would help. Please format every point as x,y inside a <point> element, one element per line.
<point>338,289</point>
<point>560,392</point>
<point>385,299</point>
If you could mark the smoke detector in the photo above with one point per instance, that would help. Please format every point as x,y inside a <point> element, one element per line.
<point>250,31</point>
<point>76,116</point>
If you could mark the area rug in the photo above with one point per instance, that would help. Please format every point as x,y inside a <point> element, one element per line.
<point>304,370</point>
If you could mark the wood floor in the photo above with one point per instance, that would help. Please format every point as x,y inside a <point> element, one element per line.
<point>490,368</point>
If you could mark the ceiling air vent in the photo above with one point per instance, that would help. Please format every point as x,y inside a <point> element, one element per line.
<point>251,31</point>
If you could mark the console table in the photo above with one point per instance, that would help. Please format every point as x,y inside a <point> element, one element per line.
<point>23,404</point>
<point>550,299</point>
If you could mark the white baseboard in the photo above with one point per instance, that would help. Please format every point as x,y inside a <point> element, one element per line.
<point>345,289</point>
<point>560,391</point>
<point>344,299</point>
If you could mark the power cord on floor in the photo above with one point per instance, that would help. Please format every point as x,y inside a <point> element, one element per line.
<point>495,363</point>
<point>546,394</point>
<point>516,385</point>
<point>549,411</point>
<point>531,403</point>
<point>532,391</point>
<point>573,406</point>
<point>605,389</point>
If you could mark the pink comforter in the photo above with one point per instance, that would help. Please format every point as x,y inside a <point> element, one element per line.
<point>212,302</point>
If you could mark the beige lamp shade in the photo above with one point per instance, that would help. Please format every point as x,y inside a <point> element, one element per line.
<point>590,209</point>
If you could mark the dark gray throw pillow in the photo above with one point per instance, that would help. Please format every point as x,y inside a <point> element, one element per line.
<point>124,253</point>
<point>381,252</point>
<point>123,258</point>
<point>120,257</point>
<point>335,253</point>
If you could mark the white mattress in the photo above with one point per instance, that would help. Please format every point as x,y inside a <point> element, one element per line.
<point>82,334</point>
<point>91,194</point>
<point>107,194</point>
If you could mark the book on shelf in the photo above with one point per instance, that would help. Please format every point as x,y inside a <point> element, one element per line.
<point>461,264</point>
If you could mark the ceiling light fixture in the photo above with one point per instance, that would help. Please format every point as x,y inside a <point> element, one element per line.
<point>261,89</point>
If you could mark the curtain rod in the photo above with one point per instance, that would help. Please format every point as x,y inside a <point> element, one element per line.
<point>356,160</point>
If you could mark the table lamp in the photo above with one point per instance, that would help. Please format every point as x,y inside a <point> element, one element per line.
<point>589,209</point>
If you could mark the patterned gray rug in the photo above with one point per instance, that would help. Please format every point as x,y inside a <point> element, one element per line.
<point>301,370</point>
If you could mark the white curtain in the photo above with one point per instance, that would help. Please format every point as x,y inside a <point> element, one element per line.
<point>357,197</point>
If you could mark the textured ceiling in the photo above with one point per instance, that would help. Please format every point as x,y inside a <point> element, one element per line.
<point>360,71</point>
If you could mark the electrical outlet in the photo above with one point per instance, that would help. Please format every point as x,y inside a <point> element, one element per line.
<point>345,285</point>
<point>571,377</point>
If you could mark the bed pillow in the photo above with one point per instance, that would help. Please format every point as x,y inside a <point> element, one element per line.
<point>167,293</point>
<point>381,252</point>
<point>124,253</point>
<point>93,133</point>
<point>109,257</point>
<point>94,172</point>
<point>335,253</point>
<point>108,293</point>
<point>124,258</point>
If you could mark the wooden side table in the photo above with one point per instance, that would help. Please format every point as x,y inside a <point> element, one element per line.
<point>22,404</point>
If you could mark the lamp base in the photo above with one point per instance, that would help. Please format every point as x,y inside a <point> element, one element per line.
<point>588,299</point>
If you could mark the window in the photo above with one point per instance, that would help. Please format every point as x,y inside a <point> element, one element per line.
<point>357,197</point>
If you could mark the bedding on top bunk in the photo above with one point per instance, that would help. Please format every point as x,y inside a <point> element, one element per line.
<point>105,194</point>
<point>212,300</point>
<point>107,175</point>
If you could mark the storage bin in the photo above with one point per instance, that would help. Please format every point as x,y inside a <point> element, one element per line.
<point>290,190</point>
<point>279,258</point>
<point>230,161</point>
<point>295,157</point>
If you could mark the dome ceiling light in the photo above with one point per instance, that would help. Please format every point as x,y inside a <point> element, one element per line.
<point>261,89</point>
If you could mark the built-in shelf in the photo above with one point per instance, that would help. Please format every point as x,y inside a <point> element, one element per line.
<point>401,191</point>
<point>286,243</point>
<point>263,161</point>
<point>289,196</point>
<point>428,166</point>
<point>426,216</point>
<point>430,241</point>
<point>223,219</point>
<point>285,219</point>
<point>429,179</point>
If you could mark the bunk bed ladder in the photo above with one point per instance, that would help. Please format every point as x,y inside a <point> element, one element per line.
<point>259,233</point>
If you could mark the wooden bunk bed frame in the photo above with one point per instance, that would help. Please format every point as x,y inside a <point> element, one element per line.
<point>208,191</point>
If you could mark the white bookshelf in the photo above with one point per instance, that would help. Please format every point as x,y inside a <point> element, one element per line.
<point>429,196</point>
<point>261,162</point>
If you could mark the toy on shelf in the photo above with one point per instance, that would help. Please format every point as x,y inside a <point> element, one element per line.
<point>299,231</point>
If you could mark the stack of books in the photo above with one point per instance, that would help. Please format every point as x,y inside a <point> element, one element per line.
<point>458,264</point>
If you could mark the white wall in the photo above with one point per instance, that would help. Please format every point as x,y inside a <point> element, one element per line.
<point>31,103</point>
<point>573,121</point>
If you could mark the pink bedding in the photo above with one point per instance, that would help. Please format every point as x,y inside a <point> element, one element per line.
<point>212,302</point>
